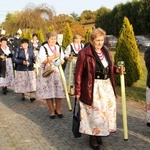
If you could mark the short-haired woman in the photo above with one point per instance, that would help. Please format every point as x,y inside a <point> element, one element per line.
<point>6,66</point>
<point>25,80</point>
<point>95,88</point>
<point>50,88</point>
<point>71,54</point>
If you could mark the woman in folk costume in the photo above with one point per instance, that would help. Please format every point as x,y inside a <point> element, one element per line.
<point>50,88</point>
<point>35,45</point>
<point>95,88</point>
<point>25,80</point>
<point>6,66</point>
<point>71,54</point>
<point>147,63</point>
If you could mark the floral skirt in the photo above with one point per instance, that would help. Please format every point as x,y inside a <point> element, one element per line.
<point>72,71</point>
<point>51,86</point>
<point>100,118</point>
<point>25,82</point>
<point>9,76</point>
<point>148,104</point>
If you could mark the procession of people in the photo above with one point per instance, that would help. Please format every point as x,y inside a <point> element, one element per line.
<point>27,61</point>
<point>89,76</point>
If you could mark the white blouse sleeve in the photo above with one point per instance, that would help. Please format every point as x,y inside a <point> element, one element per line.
<point>62,55</point>
<point>82,45</point>
<point>42,55</point>
<point>67,51</point>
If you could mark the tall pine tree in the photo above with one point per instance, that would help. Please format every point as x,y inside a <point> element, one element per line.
<point>67,36</point>
<point>87,36</point>
<point>29,36</point>
<point>127,51</point>
<point>24,34</point>
<point>40,36</point>
<point>51,28</point>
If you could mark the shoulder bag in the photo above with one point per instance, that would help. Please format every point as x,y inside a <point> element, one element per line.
<point>76,121</point>
<point>47,69</point>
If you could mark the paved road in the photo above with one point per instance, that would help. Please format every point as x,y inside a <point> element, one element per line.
<point>26,126</point>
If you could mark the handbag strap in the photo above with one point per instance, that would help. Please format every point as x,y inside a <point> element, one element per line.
<point>46,51</point>
<point>74,110</point>
<point>46,54</point>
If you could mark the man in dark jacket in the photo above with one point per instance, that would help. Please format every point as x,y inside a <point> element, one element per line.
<point>16,41</point>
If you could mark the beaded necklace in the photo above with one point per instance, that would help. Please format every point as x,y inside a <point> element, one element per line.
<point>53,50</point>
<point>100,55</point>
<point>76,48</point>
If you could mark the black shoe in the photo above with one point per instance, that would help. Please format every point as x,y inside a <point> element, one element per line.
<point>7,90</point>
<point>93,143</point>
<point>99,140</point>
<point>32,99</point>
<point>148,124</point>
<point>59,115</point>
<point>23,99</point>
<point>52,117</point>
<point>4,90</point>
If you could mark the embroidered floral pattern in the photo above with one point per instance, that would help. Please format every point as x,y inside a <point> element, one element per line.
<point>72,72</point>
<point>25,82</point>
<point>49,87</point>
<point>100,118</point>
<point>9,76</point>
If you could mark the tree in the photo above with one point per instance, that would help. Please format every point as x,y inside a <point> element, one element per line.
<point>40,36</point>
<point>32,16</point>
<point>11,23</point>
<point>59,22</point>
<point>24,34</point>
<point>87,15</point>
<point>127,51</point>
<point>102,18</point>
<point>51,28</point>
<point>78,29</point>
<point>67,36</point>
<point>87,36</point>
<point>29,35</point>
<point>75,16</point>
<point>144,16</point>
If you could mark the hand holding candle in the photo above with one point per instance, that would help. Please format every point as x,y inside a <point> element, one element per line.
<point>125,128</point>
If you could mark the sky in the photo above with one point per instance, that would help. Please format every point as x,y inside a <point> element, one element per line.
<point>60,6</point>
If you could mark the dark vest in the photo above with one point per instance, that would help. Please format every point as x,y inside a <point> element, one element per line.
<point>2,65</point>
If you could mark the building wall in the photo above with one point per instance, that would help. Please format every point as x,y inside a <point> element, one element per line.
<point>89,26</point>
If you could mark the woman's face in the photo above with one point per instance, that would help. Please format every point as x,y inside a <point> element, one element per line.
<point>77,40</point>
<point>34,38</point>
<point>98,42</point>
<point>4,44</point>
<point>24,46</point>
<point>52,40</point>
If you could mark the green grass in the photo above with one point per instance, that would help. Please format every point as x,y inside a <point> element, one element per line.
<point>137,91</point>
